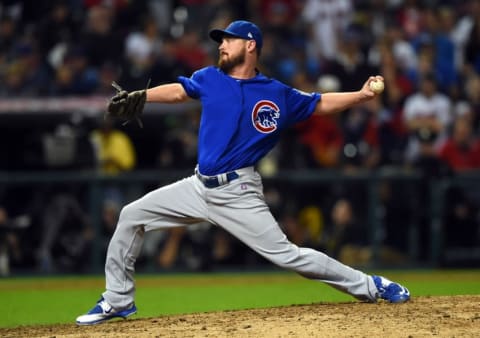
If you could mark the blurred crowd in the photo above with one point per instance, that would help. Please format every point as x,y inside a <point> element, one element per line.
<point>427,119</point>
<point>427,51</point>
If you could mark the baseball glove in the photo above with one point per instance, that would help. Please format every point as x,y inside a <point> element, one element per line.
<point>128,106</point>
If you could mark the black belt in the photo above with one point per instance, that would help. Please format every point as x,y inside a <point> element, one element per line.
<point>218,180</point>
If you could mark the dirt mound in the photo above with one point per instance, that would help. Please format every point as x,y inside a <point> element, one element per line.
<point>448,316</point>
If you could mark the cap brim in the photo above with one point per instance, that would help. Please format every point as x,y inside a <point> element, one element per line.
<point>218,34</point>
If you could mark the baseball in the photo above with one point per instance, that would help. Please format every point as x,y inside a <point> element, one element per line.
<point>377,86</point>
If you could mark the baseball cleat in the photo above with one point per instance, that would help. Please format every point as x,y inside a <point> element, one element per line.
<point>103,312</point>
<point>390,291</point>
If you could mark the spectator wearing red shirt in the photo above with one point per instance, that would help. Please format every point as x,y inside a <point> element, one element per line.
<point>190,51</point>
<point>461,151</point>
<point>321,135</point>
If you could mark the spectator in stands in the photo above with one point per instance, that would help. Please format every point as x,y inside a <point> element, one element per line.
<point>346,239</point>
<point>190,51</point>
<point>142,49</point>
<point>99,39</point>
<point>74,75</point>
<point>199,13</point>
<point>392,130</point>
<point>427,117</point>
<point>376,15</point>
<point>409,16</point>
<point>115,152</point>
<point>308,228</point>
<point>26,75</point>
<point>38,73</point>
<point>392,50</point>
<point>438,43</point>
<point>457,22</point>
<point>161,13</point>
<point>58,27</point>
<point>167,67</point>
<point>279,20</point>
<point>278,15</point>
<point>350,63</point>
<point>321,134</point>
<point>461,151</point>
<point>13,80</point>
<point>327,20</point>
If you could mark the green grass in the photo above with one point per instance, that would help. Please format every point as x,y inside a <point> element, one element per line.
<point>47,300</point>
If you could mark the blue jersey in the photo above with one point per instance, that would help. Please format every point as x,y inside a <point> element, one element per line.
<point>242,120</point>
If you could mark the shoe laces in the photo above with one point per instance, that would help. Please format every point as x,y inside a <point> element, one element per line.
<point>106,308</point>
<point>101,307</point>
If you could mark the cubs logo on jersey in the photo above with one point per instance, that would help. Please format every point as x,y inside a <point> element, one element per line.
<point>265,116</point>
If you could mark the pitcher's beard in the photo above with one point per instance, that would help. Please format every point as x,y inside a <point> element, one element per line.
<point>227,65</point>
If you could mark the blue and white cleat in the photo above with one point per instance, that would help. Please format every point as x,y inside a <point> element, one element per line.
<point>391,291</point>
<point>103,312</point>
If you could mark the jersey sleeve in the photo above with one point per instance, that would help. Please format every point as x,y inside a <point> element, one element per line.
<point>301,104</point>
<point>193,84</point>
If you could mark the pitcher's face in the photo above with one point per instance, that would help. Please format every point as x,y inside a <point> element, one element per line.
<point>232,53</point>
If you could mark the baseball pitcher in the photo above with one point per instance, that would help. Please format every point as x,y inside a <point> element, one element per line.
<point>243,114</point>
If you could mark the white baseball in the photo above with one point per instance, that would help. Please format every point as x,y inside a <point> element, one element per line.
<point>377,86</point>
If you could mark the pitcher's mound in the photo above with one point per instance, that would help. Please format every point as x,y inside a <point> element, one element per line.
<point>446,316</point>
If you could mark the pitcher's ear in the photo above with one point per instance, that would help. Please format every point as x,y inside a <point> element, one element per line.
<point>251,45</point>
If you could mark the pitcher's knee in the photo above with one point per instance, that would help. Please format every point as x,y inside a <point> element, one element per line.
<point>128,214</point>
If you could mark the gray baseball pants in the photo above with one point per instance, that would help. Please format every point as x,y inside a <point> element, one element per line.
<point>239,207</point>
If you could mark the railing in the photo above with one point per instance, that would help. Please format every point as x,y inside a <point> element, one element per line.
<point>293,182</point>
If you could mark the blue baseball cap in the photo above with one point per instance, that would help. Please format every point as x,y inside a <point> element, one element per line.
<point>240,29</point>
